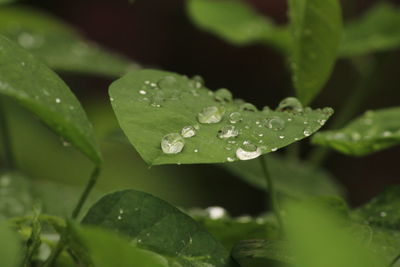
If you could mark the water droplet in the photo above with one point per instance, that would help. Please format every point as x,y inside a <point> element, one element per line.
<point>172,143</point>
<point>223,95</point>
<point>355,136</point>
<point>248,107</point>
<point>235,117</point>
<point>158,98</point>
<point>383,214</point>
<point>58,101</point>
<point>328,111</point>
<point>266,109</point>
<point>196,151</point>
<point>274,149</point>
<point>281,137</point>
<point>386,134</point>
<point>168,83</point>
<point>216,213</point>
<point>142,92</point>
<point>228,132</point>
<point>321,122</point>
<point>290,104</point>
<point>307,131</point>
<point>275,123</point>
<point>210,115</point>
<point>230,159</point>
<point>119,217</point>
<point>196,82</point>
<point>111,99</point>
<point>188,131</point>
<point>248,151</point>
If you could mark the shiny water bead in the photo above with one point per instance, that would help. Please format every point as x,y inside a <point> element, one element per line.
<point>275,123</point>
<point>196,82</point>
<point>223,95</point>
<point>228,132</point>
<point>248,107</point>
<point>188,131</point>
<point>307,131</point>
<point>328,111</point>
<point>248,151</point>
<point>157,98</point>
<point>168,83</point>
<point>172,143</point>
<point>290,104</point>
<point>211,114</point>
<point>235,117</point>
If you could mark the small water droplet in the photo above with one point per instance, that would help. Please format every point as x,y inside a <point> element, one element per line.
<point>383,214</point>
<point>235,117</point>
<point>142,92</point>
<point>274,149</point>
<point>228,132</point>
<point>111,99</point>
<point>291,105</point>
<point>119,217</point>
<point>275,123</point>
<point>216,213</point>
<point>168,83</point>
<point>188,131</point>
<point>172,143</point>
<point>196,82</point>
<point>355,136</point>
<point>230,159</point>
<point>58,101</point>
<point>328,111</point>
<point>307,131</point>
<point>223,95</point>
<point>196,151</point>
<point>321,122</point>
<point>281,137</point>
<point>211,114</point>
<point>248,107</point>
<point>386,134</point>
<point>248,151</point>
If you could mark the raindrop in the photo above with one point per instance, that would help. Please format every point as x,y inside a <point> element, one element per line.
<point>276,124</point>
<point>248,107</point>
<point>228,132</point>
<point>230,159</point>
<point>172,143</point>
<point>158,98</point>
<point>248,151</point>
<point>274,149</point>
<point>58,101</point>
<point>383,214</point>
<point>307,131</point>
<point>210,115</point>
<point>321,122</point>
<point>281,137</point>
<point>168,83</point>
<point>290,104</point>
<point>223,95</point>
<point>216,213</point>
<point>328,111</point>
<point>142,92</point>
<point>196,82</point>
<point>188,131</point>
<point>196,151</point>
<point>235,117</point>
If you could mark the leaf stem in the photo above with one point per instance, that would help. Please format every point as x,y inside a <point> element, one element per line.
<point>271,191</point>
<point>85,194</point>
<point>9,162</point>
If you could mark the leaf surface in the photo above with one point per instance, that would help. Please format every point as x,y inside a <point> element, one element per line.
<point>10,248</point>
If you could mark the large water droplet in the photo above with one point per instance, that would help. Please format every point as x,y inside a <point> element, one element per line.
<point>196,82</point>
<point>290,104</point>
<point>210,115</point>
<point>248,107</point>
<point>168,83</point>
<point>275,123</point>
<point>248,151</point>
<point>188,131</point>
<point>172,143</point>
<point>235,117</point>
<point>228,132</point>
<point>223,95</point>
<point>307,131</point>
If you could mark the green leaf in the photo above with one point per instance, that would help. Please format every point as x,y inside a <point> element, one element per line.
<point>3,2</point>
<point>377,30</point>
<point>236,22</point>
<point>107,249</point>
<point>10,248</point>
<point>157,226</point>
<point>317,238</point>
<point>317,31</point>
<point>58,45</point>
<point>40,90</point>
<point>16,198</point>
<point>258,253</point>
<point>150,105</point>
<point>373,131</point>
<point>295,179</point>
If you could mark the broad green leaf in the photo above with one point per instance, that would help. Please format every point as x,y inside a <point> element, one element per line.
<point>16,197</point>
<point>294,179</point>
<point>317,33</point>
<point>151,105</point>
<point>261,252</point>
<point>58,45</point>
<point>40,90</point>
<point>155,225</point>
<point>377,30</point>
<point>373,131</point>
<point>10,248</point>
<point>106,249</point>
<point>236,22</point>
<point>317,238</point>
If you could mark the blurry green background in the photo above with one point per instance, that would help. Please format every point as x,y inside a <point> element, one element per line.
<point>159,34</point>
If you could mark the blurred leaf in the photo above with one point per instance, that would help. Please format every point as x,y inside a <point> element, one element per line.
<point>2,2</point>
<point>151,105</point>
<point>58,45</point>
<point>10,248</point>
<point>317,238</point>
<point>157,226</point>
<point>16,197</point>
<point>373,131</point>
<point>317,31</point>
<point>236,22</point>
<point>107,249</point>
<point>377,30</point>
<point>295,179</point>
<point>259,253</point>
<point>41,91</point>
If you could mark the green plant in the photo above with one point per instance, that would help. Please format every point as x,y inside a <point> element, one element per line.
<point>173,119</point>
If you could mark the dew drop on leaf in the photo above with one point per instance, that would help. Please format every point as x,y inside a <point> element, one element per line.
<point>188,131</point>
<point>290,104</point>
<point>172,143</point>
<point>209,115</point>
<point>235,117</point>
<point>168,83</point>
<point>248,107</point>
<point>223,95</point>
<point>216,213</point>
<point>248,151</point>
<point>228,132</point>
<point>275,123</point>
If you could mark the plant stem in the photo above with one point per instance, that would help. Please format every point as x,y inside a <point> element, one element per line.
<point>9,162</point>
<point>89,186</point>
<point>271,191</point>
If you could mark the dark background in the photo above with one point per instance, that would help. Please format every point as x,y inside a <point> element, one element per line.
<point>158,33</point>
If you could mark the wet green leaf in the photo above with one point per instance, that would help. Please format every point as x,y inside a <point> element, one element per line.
<point>377,30</point>
<point>294,179</point>
<point>371,132</point>
<point>10,248</point>
<point>2,2</point>
<point>236,22</point>
<point>155,225</point>
<point>58,45</point>
<point>152,106</point>
<point>317,31</point>
<point>106,249</point>
<point>40,90</point>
